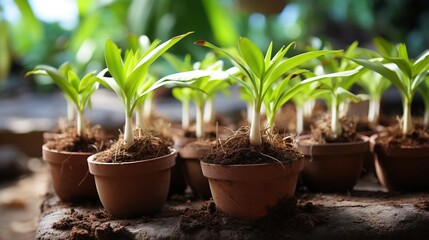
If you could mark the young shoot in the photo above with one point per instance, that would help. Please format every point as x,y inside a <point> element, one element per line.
<point>289,87</point>
<point>76,90</point>
<point>405,74</point>
<point>375,85</point>
<point>336,88</point>
<point>261,72</point>
<point>129,75</point>
<point>424,90</point>
<point>204,88</point>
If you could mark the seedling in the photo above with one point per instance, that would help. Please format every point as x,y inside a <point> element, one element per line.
<point>128,78</point>
<point>261,73</point>
<point>406,75</point>
<point>209,80</point>
<point>375,85</point>
<point>77,91</point>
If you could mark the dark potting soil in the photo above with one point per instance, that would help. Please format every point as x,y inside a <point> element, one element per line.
<point>395,137</point>
<point>146,146</point>
<point>321,131</point>
<point>237,149</point>
<point>94,140</point>
<point>285,216</point>
<point>93,225</point>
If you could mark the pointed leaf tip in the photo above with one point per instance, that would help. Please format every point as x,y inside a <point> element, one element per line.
<point>200,42</point>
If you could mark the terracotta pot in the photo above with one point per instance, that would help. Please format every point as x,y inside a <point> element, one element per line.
<point>69,175</point>
<point>401,169</point>
<point>178,183</point>
<point>249,191</point>
<point>133,189</point>
<point>193,173</point>
<point>333,167</point>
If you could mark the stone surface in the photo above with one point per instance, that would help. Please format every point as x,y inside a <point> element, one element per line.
<point>359,214</point>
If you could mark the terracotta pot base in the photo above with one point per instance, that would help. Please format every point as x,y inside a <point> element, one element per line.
<point>193,173</point>
<point>248,191</point>
<point>402,169</point>
<point>133,189</point>
<point>333,167</point>
<point>70,175</point>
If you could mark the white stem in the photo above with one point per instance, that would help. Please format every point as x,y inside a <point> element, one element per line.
<point>335,120</point>
<point>406,117</point>
<point>199,121</point>
<point>343,108</point>
<point>249,112</point>
<point>70,111</point>
<point>80,124</point>
<point>373,110</point>
<point>185,114</point>
<point>426,117</point>
<point>128,132</point>
<point>209,111</point>
<point>308,108</point>
<point>255,128</point>
<point>139,116</point>
<point>299,119</point>
<point>148,105</point>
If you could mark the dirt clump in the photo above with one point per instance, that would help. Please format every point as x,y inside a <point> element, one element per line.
<point>321,131</point>
<point>147,145</point>
<point>237,149</point>
<point>286,216</point>
<point>94,140</point>
<point>92,225</point>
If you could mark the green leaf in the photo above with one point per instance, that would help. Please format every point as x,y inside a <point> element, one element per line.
<point>114,62</point>
<point>402,64</point>
<point>111,84</point>
<point>297,60</point>
<point>418,81</point>
<point>252,55</point>
<point>383,46</point>
<point>403,53</point>
<point>342,94</point>
<point>421,64</point>
<point>267,59</point>
<point>385,72</point>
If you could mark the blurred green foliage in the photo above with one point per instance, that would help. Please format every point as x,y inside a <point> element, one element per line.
<point>29,41</point>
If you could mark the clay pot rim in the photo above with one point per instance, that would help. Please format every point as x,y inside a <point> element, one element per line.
<point>364,139</point>
<point>45,148</point>
<point>398,151</point>
<point>91,159</point>
<point>246,172</point>
<point>251,164</point>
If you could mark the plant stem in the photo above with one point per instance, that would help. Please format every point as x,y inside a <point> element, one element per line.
<point>308,108</point>
<point>128,131</point>
<point>147,109</point>
<point>374,110</point>
<point>70,111</point>
<point>249,112</point>
<point>255,127</point>
<point>80,123</point>
<point>209,111</point>
<point>335,120</point>
<point>185,114</point>
<point>426,117</point>
<point>139,115</point>
<point>299,119</point>
<point>406,117</point>
<point>199,120</point>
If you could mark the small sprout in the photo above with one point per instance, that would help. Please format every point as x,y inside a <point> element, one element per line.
<point>128,77</point>
<point>77,91</point>
<point>261,73</point>
<point>406,75</point>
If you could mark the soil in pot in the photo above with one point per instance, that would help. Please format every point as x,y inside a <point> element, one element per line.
<point>134,181</point>
<point>333,164</point>
<point>247,180</point>
<point>402,160</point>
<point>66,158</point>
